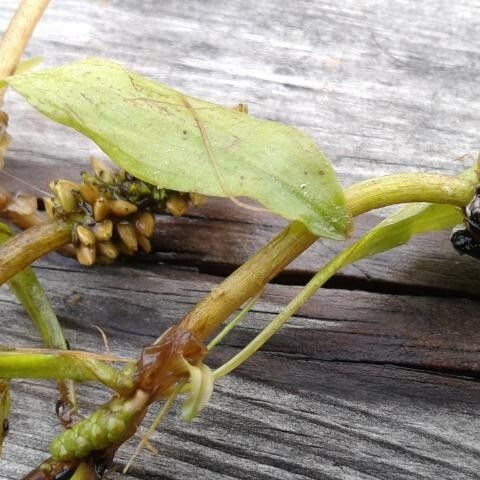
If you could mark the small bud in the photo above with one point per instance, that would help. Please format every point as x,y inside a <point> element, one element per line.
<point>176,205</point>
<point>85,236</point>
<point>127,234</point>
<point>103,231</point>
<point>89,192</point>
<point>144,243</point>
<point>197,199</point>
<point>108,250</point>
<point>145,224</point>
<point>101,208</point>
<point>122,208</point>
<point>49,207</point>
<point>86,255</point>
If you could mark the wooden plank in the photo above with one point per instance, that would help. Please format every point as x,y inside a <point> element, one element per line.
<point>381,87</point>
<point>294,410</point>
<point>368,96</point>
<point>336,325</point>
<point>380,91</point>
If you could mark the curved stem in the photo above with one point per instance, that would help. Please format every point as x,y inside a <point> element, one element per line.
<point>254,274</point>
<point>18,33</point>
<point>26,247</point>
<point>407,188</point>
<point>61,365</point>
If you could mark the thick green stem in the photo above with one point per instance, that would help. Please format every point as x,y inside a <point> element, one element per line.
<point>60,365</point>
<point>26,247</point>
<point>407,188</point>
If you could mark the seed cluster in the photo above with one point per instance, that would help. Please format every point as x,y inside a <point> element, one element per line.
<point>110,425</point>
<point>114,212</point>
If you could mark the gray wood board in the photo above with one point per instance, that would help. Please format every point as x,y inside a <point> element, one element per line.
<point>375,378</point>
<point>330,396</point>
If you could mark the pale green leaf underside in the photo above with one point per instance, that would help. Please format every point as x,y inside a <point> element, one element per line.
<point>156,134</point>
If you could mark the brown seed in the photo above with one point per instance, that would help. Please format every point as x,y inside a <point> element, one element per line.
<point>101,170</point>
<point>101,260</point>
<point>89,192</point>
<point>72,186</point>
<point>103,231</point>
<point>122,208</point>
<point>86,255</point>
<point>197,199</point>
<point>124,250</point>
<point>85,236</point>
<point>63,190</point>
<point>127,234</point>
<point>101,208</point>
<point>144,243</point>
<point>177,205</point>
<point>108,250</point>
<point>4,198</point>
<point>49,207</point>
<point>145,224</point>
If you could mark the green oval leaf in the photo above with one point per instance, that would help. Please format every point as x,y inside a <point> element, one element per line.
<point>186,144</point>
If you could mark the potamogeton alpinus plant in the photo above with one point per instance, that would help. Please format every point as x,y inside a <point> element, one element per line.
<point>171,148</point>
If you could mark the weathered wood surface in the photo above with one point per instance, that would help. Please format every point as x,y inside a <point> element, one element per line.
<point>375,378</point>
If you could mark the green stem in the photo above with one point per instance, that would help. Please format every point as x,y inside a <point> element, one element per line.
<point>29,292</point>
<point>251,277</point>
<point>18,33</point>
<point>407,188</point>
<point>254,274</point>
<point>277,323</point>
<point>231,325</point>
<point>60,365</point>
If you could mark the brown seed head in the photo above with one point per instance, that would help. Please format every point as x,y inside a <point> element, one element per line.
<point>49,207</point>
<point>89,192</point>
<point>177,205</point>
<point>102,171</point>
<point>128,236</point>
<point>122,208</point>
<point>144,243</point>
<point>101,209</point>
<point>197,199</point>
<point>103,231</point>
<point>86,255</point>
<point>108,250</point>
<point>145,224</point>
<point>63,190</point>
<point>85,236</point>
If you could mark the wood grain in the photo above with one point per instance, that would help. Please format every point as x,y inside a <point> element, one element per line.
<point>376,378</point>
<point>330,396</point>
